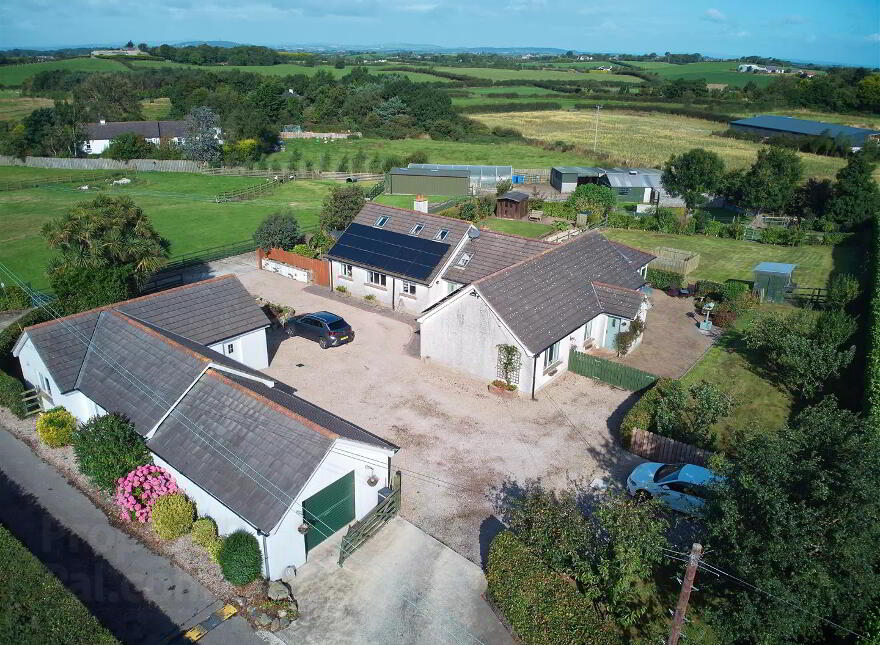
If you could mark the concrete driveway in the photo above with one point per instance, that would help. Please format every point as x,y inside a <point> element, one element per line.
<point>462,449</point>
<point>401,587</point>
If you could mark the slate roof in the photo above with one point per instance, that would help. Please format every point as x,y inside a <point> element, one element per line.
<point>146,129</point>
<point>636,257</point>
<point>249,454</point>
<point>491,252</point>
<point>857,136</point>
<point>402,220</point>
<point>205,312</point>
<point>548,296</point>
<point>515,196</point>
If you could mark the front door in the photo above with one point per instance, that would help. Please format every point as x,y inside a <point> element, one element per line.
<point>611,331</point>
<point>328,510</point>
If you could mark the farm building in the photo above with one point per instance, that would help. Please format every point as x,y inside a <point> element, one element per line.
<point>513,204</point>
<point>480,176</point>
<point>639,185</point>
<point>771,124</point>
<point>423,181</point>
<point>566,178</point>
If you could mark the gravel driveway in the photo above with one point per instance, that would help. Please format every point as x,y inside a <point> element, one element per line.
<point>461,447</point>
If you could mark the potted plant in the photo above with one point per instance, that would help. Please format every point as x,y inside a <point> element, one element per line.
<point>508,365</point>
<point>502,388</point>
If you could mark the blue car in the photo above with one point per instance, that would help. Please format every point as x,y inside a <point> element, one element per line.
<point>682,487</point>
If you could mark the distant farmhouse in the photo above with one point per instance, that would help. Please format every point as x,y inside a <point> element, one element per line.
<point>771,124</point>
<point>100,134</point>
<point>134,51</point>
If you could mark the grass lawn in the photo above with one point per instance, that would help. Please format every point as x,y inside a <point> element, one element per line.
<point>37,607</point>
<point>722,259</point>
<point>523,228</point>
<point>757,401</point>
<point>494,74</point>
<point>180,206</point>
<point>156,109</point>
<point>517,155</point>
<point>14,75</point>
<point>645,138</point>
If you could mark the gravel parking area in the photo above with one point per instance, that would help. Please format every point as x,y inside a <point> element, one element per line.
<point>461,447</point>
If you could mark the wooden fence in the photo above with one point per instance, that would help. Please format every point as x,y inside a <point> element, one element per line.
<point>291,175</point>
<point>675,260</point>
<point>319,269</point>
<point>622,376</point>
<point>250,192</point>
<point>147,165</point>
<point>319,135</point>
<point>369,525</point>
<point>663,449</point>
<point>48,181</point>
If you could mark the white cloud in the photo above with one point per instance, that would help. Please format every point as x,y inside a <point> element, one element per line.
<point>873,38</point>
<point>715,15</point>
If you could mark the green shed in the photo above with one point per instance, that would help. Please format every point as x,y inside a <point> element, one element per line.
<point>773,280</point>
<point>424,181</point>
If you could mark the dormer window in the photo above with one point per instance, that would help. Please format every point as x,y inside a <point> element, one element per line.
<point>381,221</point>
<point>441,235</point>
<point>415,230</point>
<point>463,260</point>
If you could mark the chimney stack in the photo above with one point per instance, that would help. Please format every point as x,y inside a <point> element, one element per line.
<point>420,204</point>
<point>103,121</point>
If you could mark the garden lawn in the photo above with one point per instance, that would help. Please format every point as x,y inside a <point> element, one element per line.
<point>180,205</point>
<point>639,138</point>
<point>757,401</point>
<point>523,228</point>
<point>37,608</point>
<point>15,75</point>
<point>722,259</point>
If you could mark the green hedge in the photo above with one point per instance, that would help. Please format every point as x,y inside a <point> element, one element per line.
<point>37,608</point>
<point>664,279</point>
<point>9,335</point>
<point>13,297</point>
<point>542,607</point>
<point>872,360</point>
<point>11,391</point>
<point>641,415</point>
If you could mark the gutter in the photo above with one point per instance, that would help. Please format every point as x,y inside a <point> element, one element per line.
<point>534,376</point>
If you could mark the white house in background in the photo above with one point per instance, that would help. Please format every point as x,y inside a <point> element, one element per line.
<point>246,449</point>
<point>99,135</point>
<point>579,294</point>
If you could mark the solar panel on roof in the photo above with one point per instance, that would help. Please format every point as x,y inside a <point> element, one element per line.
<point>397,253</point>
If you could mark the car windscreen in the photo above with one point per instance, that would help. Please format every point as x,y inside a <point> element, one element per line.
<point>667,471</point>
<point>336,325</point>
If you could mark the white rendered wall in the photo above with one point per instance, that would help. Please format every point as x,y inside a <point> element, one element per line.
<point>249,349</point>
<point>75,402</point>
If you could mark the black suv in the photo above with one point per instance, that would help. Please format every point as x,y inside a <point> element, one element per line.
<point>325,328</point>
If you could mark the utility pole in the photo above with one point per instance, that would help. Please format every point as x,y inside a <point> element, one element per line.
<point>596,136</point>
<point>685,595</point>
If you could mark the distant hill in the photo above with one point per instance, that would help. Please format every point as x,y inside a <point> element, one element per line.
<point>213,43</point>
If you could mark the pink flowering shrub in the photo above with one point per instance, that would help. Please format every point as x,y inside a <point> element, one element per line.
<point>137,492</point>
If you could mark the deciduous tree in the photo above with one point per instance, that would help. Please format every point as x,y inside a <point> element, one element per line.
<point>769,185</point>
<point>278,231</point>
<point>855,197</point>
<point>202,144</point>
<point>692,174</point>
<point>341,206</point>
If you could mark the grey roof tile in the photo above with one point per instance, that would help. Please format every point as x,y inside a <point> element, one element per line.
<point>491,252</point>
<point>636,257</point>
<point>550,295</point>
<point>146,129</point>
<point>515,196</point>
<point>250,455</point>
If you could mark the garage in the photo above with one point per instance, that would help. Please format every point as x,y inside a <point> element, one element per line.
<point>328,510</point>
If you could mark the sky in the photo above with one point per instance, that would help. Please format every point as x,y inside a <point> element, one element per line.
<point>846,31</point>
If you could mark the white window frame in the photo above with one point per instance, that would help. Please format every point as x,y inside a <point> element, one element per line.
<point>551,355</point>
<point>441,235</point>
<point>415,230</point>
<point>408,288</point>
<point>347,271</point>
<point>45,384</point>
<point>464,260</point>
<point>381,279</point>
<point>382,221</point>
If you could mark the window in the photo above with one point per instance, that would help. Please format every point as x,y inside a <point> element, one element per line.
<point>415,230</point>
<point>551,355</point>
<point>378,279</point>
<point>44,382</point>
<point>624,190</point>
<point>381,221</point>
<point>463,260</point>
<point>230,349</point>
<point>441,235</point>
<point>336,325</point>
<point>347,271</point>
<point>409,288</point>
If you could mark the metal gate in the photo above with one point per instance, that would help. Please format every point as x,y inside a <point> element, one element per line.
<point>364,529</point>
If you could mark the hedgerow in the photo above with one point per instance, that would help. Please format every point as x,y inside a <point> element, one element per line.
<point>9,335</point>
<point>541,605</point>
<point>872,360</point>
<point>11,391</point>
<point>664,279</point>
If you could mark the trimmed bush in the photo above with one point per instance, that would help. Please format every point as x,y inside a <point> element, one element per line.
<point>108,448</point>
<point>734,289</point>
<point>664,279</point>
<point>641,415</point>
<point>55,427</point>
<point>542,607</point>
<point>711,289</point>
<point>214,548</point>
<point>13,297</point>
<point>204,532</point>
<point>240,558</point>
<point>173,516</point>
<point>11,391</point>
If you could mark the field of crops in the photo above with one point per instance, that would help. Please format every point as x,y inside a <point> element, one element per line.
<point>14,75</point>
<point>180,206</point>
<point>644,138</point>
<point>15,106</point>
<point>588,64</point>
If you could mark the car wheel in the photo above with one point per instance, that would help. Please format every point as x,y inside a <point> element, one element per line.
<point>323,343</point>
<point>642,496</point>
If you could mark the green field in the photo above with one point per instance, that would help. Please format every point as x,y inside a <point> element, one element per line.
<point>586,64</point>
<point>495,74</point>
<point>406,201</point>
<point>179,204</point>
<point>722,259</point>
<point>648,64</point>
<point>156,109</point>
<point>14,75</point>
<point>14,106</point>
<point>522,90</point>
<point>37,607</point>
<point>523,228</point>
<point>722,72</point>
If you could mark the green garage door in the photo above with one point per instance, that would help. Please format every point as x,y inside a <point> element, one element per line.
<point>329,510</point>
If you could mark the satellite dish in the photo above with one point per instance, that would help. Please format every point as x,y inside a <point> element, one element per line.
<point>473,233</point>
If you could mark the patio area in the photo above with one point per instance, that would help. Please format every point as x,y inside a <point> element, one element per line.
<point>672,341</point>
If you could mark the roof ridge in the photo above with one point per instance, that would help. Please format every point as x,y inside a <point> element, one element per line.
<point>415,212</point>
<point>142,325</point>
<point>613,286</point>
<point>514,235</point>
<point>275,406</point>
<point>114,305</point>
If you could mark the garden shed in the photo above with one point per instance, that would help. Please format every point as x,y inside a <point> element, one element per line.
<point>566,178</point>
<point>773,280</point>
<point>426,181</point>
<point>513,204</point>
